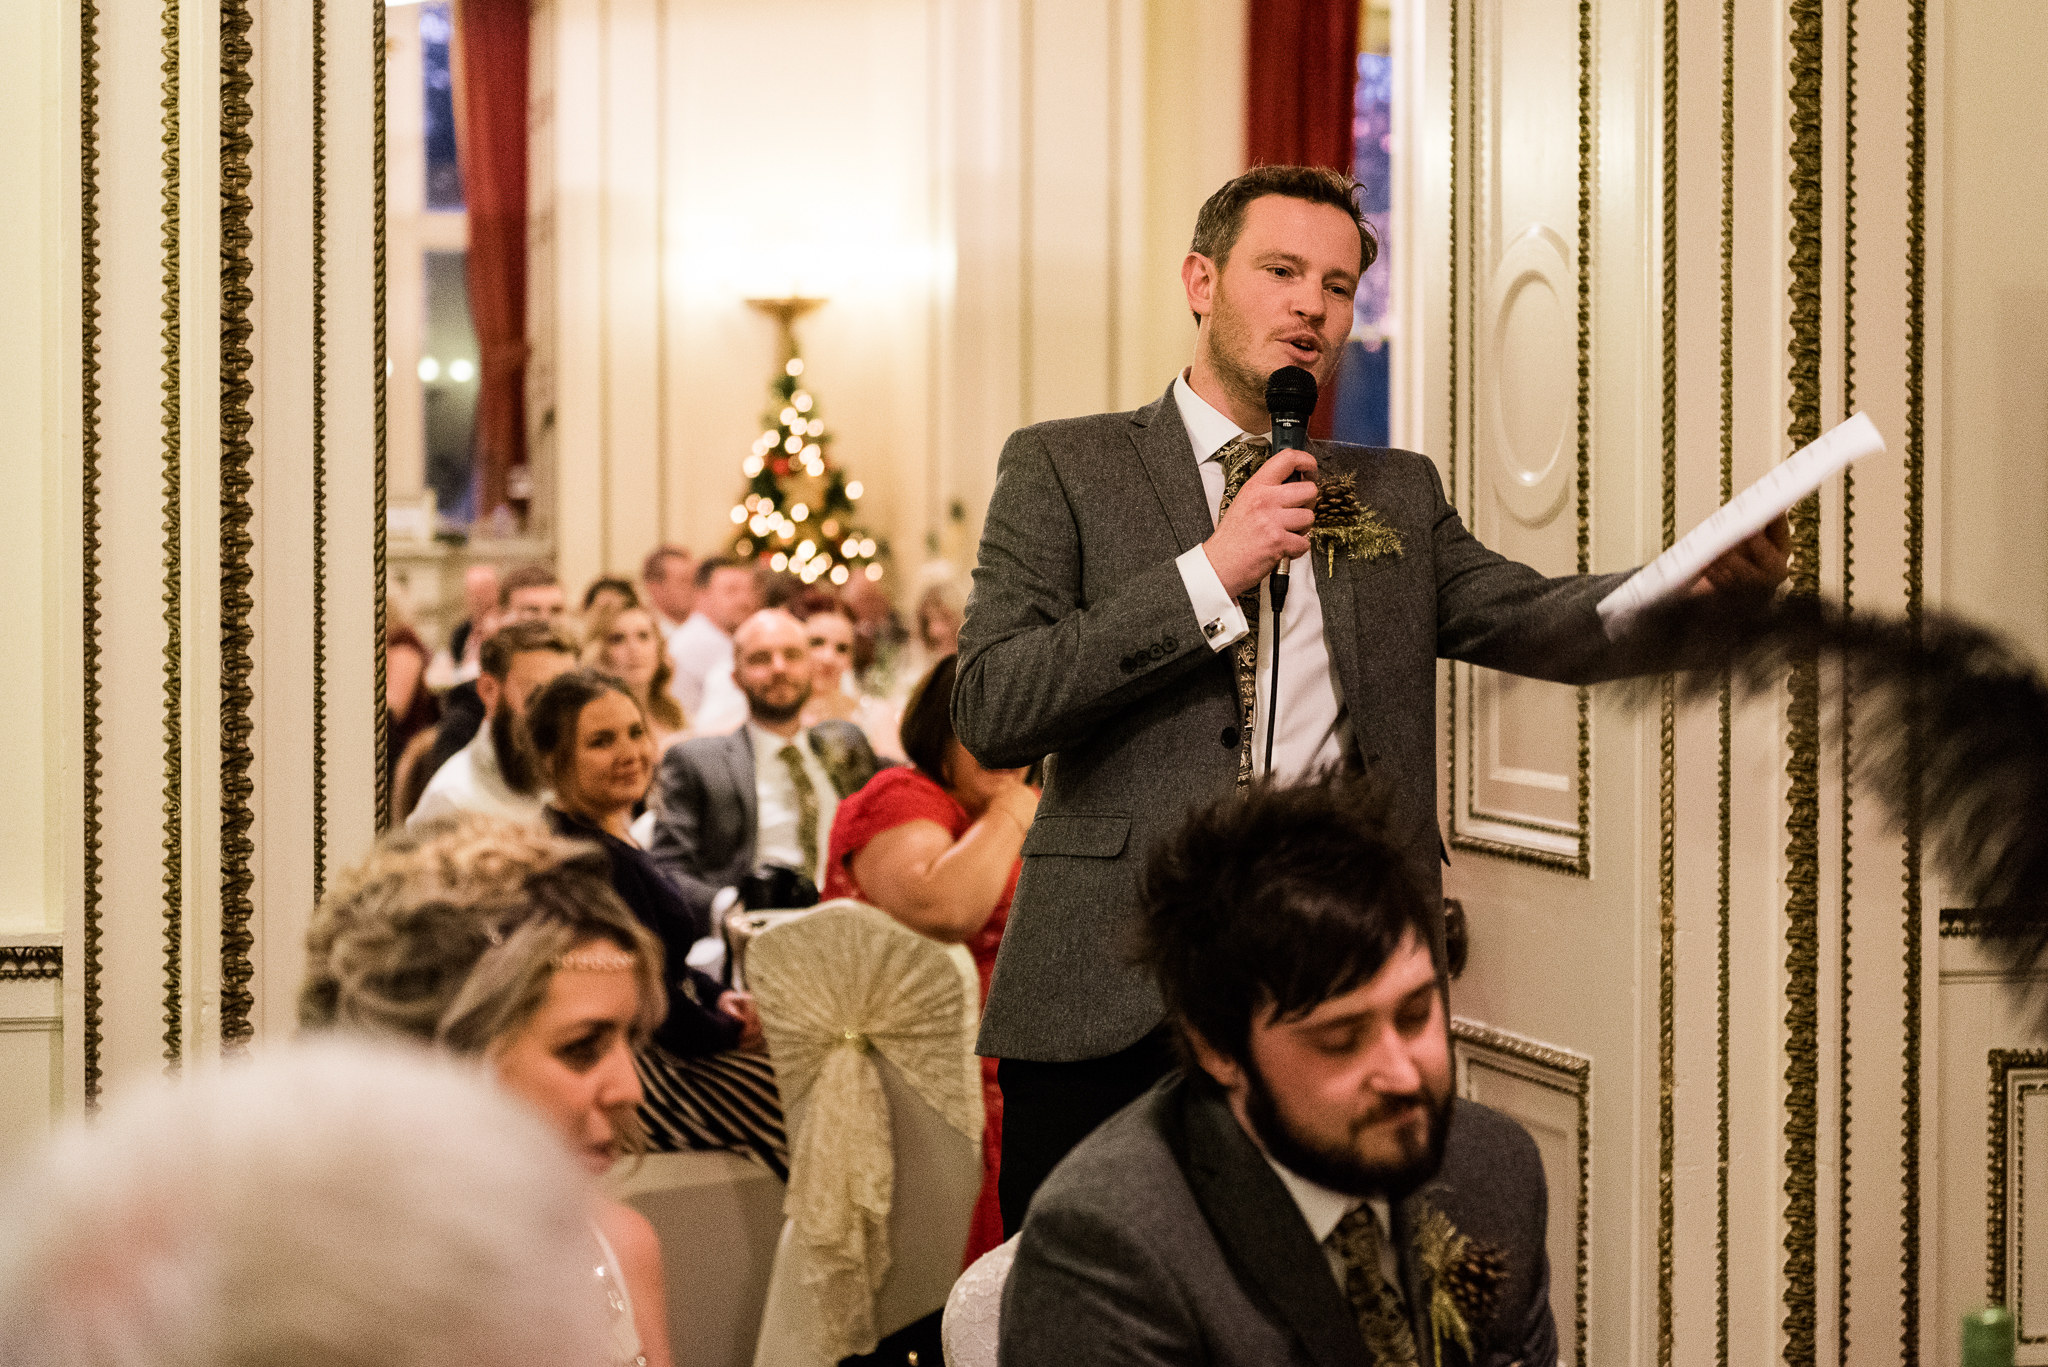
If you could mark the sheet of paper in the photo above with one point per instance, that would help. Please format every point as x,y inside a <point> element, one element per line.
<point>1741,517</point>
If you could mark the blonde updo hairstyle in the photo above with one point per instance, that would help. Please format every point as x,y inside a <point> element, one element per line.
<point>450,932</point>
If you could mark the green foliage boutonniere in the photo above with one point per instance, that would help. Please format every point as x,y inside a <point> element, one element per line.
<point>1345,522</point>
<point>1464,1280</point>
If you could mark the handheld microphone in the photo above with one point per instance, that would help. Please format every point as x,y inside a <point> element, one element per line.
<point>1290,398</point>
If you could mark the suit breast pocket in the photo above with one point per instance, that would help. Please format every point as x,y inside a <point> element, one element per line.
<point>1086,835</point>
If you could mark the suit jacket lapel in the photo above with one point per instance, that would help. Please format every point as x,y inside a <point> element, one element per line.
<point>1335,591</point>
<point>739,756</point>
<point>1169,461</point>
<point>1415,1282</point>
<point>1261,1231</point>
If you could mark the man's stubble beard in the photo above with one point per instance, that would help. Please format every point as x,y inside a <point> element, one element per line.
<point>517,764</point>
<point>762,710</point>
<point>1342,1169</point>
<point>1230,340</point>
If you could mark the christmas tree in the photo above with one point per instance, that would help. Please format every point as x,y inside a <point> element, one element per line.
<point>798,511</point>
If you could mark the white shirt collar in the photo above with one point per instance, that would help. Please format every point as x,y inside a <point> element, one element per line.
<point>1320,1206</point>
<point>767,745</point>
<point>1208,430</point>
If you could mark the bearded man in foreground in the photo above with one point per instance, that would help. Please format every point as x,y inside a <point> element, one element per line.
<point>1306,1190</point>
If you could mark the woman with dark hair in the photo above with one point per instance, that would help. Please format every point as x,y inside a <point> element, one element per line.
<point>835,693</point>
<point>708,1084</point>
<point>937,846</point>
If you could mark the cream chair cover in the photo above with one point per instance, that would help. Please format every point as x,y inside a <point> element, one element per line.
<point>974,1312</point>
<point>832,987</point>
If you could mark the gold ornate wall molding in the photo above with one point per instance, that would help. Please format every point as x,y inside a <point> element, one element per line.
<point>224,345</point>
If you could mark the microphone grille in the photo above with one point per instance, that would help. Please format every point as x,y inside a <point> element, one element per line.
<point>1291,393</point>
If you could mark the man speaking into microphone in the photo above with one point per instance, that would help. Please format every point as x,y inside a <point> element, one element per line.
<point>1122,626</point>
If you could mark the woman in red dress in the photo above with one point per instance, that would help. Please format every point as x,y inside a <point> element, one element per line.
<point>937,846</point>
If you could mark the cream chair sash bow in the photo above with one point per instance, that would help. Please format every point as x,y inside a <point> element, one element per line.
<point>835,988</point>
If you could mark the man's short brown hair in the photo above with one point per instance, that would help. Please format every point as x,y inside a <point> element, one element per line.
<point>525,577</point>
<point>654,569</point>
<point>1221,220</point>
<point>495,657</point>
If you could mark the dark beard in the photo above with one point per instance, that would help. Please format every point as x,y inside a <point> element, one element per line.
<point>1341,1169</point>
<point>517,764</point>
<point>762,710</point>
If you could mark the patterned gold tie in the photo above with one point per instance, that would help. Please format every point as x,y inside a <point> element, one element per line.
<point>806,807</point>
<point>1388,1335</point>
<point>1241,460</point>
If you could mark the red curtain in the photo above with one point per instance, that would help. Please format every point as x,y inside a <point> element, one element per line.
<point>490,90</point>
<point>1301,74</point>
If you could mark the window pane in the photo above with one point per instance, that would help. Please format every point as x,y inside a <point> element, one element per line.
<point>444,176</point>
<point>448,375</point>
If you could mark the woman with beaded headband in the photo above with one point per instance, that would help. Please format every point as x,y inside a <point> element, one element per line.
<point>706,1075</point>
<point>491,939</point>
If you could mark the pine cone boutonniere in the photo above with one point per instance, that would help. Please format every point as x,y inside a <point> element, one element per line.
<point>1465,1277</point>
<point>1345,522</point>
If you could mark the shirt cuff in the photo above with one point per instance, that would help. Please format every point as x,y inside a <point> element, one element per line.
<point>1222,620</point>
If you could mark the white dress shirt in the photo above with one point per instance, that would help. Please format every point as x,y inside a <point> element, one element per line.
<point>1323,1208</point>
<point>776,838</point>
<point>1315,728</point>
<point>695,649</point>
<point>472,782</point>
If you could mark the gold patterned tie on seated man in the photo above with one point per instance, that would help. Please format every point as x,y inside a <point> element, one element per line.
<point>806,806</point>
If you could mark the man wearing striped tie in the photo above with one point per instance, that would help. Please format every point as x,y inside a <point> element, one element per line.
<point>762,796</point>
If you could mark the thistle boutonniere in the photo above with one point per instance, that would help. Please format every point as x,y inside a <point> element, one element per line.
<point>1345,522</point>
<point>1464,1280</point>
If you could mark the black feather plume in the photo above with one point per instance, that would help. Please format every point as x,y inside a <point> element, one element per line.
<point>1951,719</point>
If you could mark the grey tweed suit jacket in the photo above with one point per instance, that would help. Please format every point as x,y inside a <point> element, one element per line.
<point>708,812</point>
<point>1081,645</point>
<point>1165,1237</point>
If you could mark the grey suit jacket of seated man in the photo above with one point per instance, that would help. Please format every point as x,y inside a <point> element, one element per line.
<point>1081,645</point>
<point>708,812</point>
<point>1165,1237</point>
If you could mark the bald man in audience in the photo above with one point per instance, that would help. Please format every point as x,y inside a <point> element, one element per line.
<point>497,772</point>
<point>765,794</point>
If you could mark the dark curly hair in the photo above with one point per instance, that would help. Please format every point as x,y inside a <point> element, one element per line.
<point>1277,900</point>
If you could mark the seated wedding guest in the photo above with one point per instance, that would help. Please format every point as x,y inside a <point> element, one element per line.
<point>668,585</point>
<point>878,634</point>
<point>324,1204</point>
<point>495,941</point>
<point>608,593</point>
<point>495,772</point>
<point>763,795</point>
<point>1307,1189</point>
<point>456,662</point>
<point>936,846</point>
<point>938,607</point>
<point>708,1082</point>
<point>527,593</point>
<point>835,694</point>
<point>410,706</point>
<point>626,642</point>
<point>702,646</point>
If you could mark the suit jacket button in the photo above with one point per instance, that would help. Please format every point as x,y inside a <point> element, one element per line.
<point>1229,738</point>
